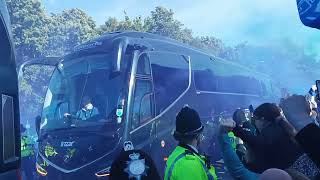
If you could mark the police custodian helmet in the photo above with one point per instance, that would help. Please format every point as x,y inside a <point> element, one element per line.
<point>133,164</point>
<point>188,123</point>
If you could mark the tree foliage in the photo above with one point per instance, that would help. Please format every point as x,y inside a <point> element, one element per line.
<point>161,21</point>
<point>29,27</point>
<point>67,30</point>
<point>33,86</point>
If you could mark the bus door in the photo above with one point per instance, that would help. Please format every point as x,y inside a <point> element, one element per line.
<point>161,80</point>
<point>9,113</point>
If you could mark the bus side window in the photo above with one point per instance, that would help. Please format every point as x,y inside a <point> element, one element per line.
<point>143,65</point>
<point>218,75</point>
<point>142,107</point>
<point>170,74</point>
<point>145,108</point>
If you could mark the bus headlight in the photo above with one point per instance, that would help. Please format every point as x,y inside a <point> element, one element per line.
<point>40,170</point>
<point>104,172</point>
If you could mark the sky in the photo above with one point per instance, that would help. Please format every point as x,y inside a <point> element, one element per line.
<point>233,21</point>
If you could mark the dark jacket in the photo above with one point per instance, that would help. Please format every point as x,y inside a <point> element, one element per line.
<point>272,148</point>
<point>308,138</point>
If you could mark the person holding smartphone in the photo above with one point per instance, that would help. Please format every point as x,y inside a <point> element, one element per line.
<point>238,170</point>
<point>270,146</point>
<point>313,98</point>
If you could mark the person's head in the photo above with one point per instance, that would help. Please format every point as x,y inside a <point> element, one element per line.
<point>239,116</point>
<point>188,127</point>
<point>296,107</point>
<point>85,101</point>
<point>275,174</point>
<point>265,114</point>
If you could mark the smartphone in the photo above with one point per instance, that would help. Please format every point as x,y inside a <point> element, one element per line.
<point>247,113</point>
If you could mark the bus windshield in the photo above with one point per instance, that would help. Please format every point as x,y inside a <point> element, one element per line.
<point>83,92</point>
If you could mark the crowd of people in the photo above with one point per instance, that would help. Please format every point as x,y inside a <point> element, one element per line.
<point>278,142</point>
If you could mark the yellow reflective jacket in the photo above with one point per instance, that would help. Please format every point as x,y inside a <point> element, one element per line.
<point>183,164</point>
<point>26,146</point>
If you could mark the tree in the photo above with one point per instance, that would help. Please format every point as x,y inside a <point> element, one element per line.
<point>36,34</point>
<point>211,44</point>
<point>67,30</point>
<point>162,22</point>
<point>29,27</point>
<point>111,25</point>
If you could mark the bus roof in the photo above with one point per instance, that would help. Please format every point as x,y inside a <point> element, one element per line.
<point>162,43</point>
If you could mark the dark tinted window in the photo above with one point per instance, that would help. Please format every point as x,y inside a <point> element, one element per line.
<point>5,46</point>
<point>8,125</point>
<point>143,65</point>
<point>170,77</point>
<point>217,75</point>
<point>142,103</point>
<point>206,80</point>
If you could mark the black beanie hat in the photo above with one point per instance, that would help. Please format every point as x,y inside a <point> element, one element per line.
<point>268,111</point>
<point>188,122</point>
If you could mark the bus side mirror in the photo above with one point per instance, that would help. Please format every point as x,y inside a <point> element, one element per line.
<point>309,12</point>
<point>38,122</point>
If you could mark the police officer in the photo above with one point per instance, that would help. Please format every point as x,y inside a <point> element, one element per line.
<point>27,154</point>
<point>185,162</point>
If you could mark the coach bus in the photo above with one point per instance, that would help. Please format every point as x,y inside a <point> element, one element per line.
<point>136,82</point>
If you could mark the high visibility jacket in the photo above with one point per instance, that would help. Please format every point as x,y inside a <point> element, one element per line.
<point>184,164</point>
<point>26,146</point>
<point>232,139</point>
